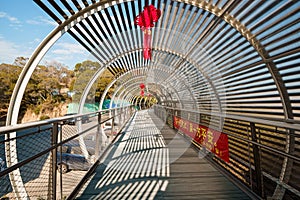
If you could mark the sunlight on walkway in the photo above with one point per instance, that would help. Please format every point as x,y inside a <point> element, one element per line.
<point>136,167</point>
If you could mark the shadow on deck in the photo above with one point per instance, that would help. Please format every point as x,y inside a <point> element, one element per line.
<point>150,161</point>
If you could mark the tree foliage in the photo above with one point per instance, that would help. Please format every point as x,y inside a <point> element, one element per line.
<point>8,77</point>
<point>43,88</point>
<point>84,72</point>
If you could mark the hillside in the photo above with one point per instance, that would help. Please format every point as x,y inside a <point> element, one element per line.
<point>58,111</point>
<point>50,89</point>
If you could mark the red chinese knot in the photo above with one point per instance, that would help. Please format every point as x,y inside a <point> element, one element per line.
<point>146,21</point>
<point>146,18</point>
<point>142,86</point>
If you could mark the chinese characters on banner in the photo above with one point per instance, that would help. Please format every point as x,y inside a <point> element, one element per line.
<point>212,140</point>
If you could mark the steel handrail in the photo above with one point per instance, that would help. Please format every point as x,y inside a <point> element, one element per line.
<point>288,123</point>
<point>18,127</point>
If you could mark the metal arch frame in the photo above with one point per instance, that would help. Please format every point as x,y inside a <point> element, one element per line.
<point>194,64</point>
<point>122,91</point>
<point>15,103</point>
<point>172,86</point>
<point>94,78</point>
<point>92,81</point>
<point>110,85</point>
<point>19,89</point>
<point>97,74</point>
<point>146,98</point>
<point>269,63</point>
<point>101,69</point>
<point>139,68</point>
<point>126,94</point>
<point>189,60</point>
<point>189,89</point>
<point>157,93</point>
<point>155,90</point>
<point>133,98</point>
<point>136,96</point>
<point>282,90</point>
<point>210,8</point>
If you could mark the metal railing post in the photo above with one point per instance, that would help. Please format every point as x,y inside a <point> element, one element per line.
<point>113,120</point>
<point>124,115</point>
<point>120,115</point>
<point>172,115</point>
<point>257,162</point>
<point>97,138</point>
<point>52,183</point>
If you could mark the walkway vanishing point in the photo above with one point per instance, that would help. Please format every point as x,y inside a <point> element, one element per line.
<point>232,66</point>
<point>151,161</point>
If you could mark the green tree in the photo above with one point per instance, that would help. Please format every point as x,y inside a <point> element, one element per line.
<point>8,77</point>
<point>83,73</point>
<point>42,91</point>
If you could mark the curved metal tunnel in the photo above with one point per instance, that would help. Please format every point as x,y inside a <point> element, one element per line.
<point>219,57</point>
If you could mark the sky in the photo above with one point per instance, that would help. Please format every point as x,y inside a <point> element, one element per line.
<point>24,25</point>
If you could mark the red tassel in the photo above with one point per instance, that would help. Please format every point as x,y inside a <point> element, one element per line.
<point>145,20</point>
<point>147,44</point>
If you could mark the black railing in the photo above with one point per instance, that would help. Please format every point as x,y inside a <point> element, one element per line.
<point>48,159</point>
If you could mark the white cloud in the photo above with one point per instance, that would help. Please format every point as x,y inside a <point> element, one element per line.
<point>8,51</point>
<point>68,48</point>
<point>41,21</point>
<point>37,40</point>
<point>67,53</point>
<point>9,18</point>
<point>14,22</point>
<point>33,22</point>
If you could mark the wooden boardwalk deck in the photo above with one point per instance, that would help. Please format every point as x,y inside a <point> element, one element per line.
<point>150,161</point>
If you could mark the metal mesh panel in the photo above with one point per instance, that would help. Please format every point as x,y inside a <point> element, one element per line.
<point>48,161</point>
<point>37,176</point>
<point>37,180</point>
<point>263,156</point>
<point>36,173</point>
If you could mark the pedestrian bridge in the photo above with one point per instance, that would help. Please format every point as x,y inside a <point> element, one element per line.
<point>204,104</point>
<point>151,161</point>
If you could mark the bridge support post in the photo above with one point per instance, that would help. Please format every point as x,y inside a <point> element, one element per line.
<point>98,134</point>
<point>257,162</point>
<point>113,120</point>
<point>120,115</point>
<point>52,184</point>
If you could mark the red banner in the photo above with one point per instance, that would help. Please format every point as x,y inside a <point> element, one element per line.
<point>212,140</point>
